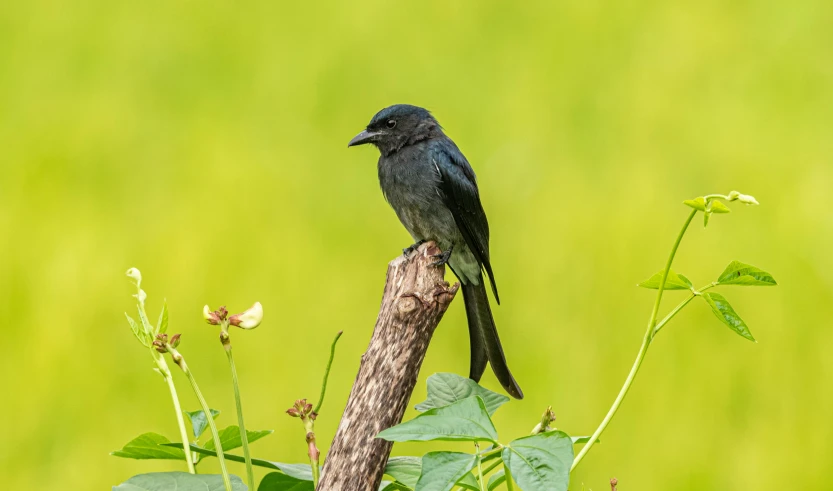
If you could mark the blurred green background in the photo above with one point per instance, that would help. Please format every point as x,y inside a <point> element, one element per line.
<point>206,145</point>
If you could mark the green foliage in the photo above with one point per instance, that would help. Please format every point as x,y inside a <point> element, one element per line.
<point>727,315</point>
<point>180,481</point>
<point>276,481</point>
<point>442,470</point>
<point>673,282</point>
<point>230,438</point>
<point>150,446</point>
<point>540,462</point>
<point>738,273</point>
<point>199,423</point>
<point>162,323</point>
<point>466,421</point>
<point>447,388</point>
<point>404,469</point>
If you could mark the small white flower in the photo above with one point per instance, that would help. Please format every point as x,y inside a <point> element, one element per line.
<point>249,319</point>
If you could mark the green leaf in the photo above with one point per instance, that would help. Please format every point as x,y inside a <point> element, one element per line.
<point>727,315</point>
<point>406,470</point>
<point>198,420</point>
<point>393,486</point>
<point>447,388</point>
<point>139,333</point>
<point>162,324</point>
<point>146,327</point>
<point>496,480</point>
<point>465,420</point>
<point>276,481</point>
<point>442,470</point>
<point>717,206</point>
<point>540,462</point>
<point>181,481</point>
<point>469,482</point>
<point>230,438</point>
<point>738,273</point>
<point>696,203</point>
<point>298,471</point>
<point>147,446</point>
<point>674,282</point>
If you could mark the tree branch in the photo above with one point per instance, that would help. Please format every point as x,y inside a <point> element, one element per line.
<point>416,297</point>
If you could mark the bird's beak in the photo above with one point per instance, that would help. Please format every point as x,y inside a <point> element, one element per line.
<point>362,138</point>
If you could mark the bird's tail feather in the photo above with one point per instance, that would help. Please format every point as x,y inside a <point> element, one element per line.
<point>485,343</point>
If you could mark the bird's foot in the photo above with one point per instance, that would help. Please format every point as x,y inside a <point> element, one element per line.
<point>412,248</point>
<point>443,257</point>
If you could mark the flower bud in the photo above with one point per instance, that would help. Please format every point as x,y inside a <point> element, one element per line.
<point>293,412</point>
<point>135,275</point>
<point>175,340</point>
<point>743,198</point>
<point>307,408</point>
<point>249,319</point>
<point>159,346</point>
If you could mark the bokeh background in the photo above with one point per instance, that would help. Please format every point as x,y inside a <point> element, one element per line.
<point>206,145</point>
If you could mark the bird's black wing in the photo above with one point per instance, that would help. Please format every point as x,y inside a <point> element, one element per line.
<point>458,186</point>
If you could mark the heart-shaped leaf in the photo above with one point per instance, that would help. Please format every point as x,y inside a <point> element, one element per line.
<point>198,420</point>
<point>447,388</point>
<point>148,446</point>
<point>540,462</point>
<point>727,315</point>
<point>738,273</point>
<point>674,282</point>
<point>465,420</point>
<point>442,470</point>
<point>180,481</point>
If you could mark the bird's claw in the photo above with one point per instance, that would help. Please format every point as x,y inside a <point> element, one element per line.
<point>412,248</point>
<point>442,258</point>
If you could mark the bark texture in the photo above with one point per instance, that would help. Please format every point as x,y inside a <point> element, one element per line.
<point>416,297</point>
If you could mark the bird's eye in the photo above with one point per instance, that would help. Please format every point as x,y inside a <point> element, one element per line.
<point>391,123</point>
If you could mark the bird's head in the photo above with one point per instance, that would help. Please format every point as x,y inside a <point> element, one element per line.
<point>396,127</point>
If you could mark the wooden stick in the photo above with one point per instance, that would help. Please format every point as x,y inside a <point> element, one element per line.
<point>416,297</point>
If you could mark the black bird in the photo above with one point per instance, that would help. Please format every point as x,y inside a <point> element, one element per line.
<point>433,190</point>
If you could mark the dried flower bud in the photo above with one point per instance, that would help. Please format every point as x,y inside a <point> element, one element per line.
<point>175,340</point>
<point>209,316</point>
<point>293,412</point>
<point>249,319</point>
<point>313,415</point>
<point>613,483</point>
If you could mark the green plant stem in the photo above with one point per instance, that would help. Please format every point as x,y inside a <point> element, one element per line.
<point>214,433</point>
<point>679,307</point>
<point>492,467</point>
<point>327,373</point>
<point>491,454</point>
<point>509,485</point>
<point>640,356</point>
<point>312,450</point>
<point>166,374</point>
<point>480,479</point>
<point>244,437</point>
